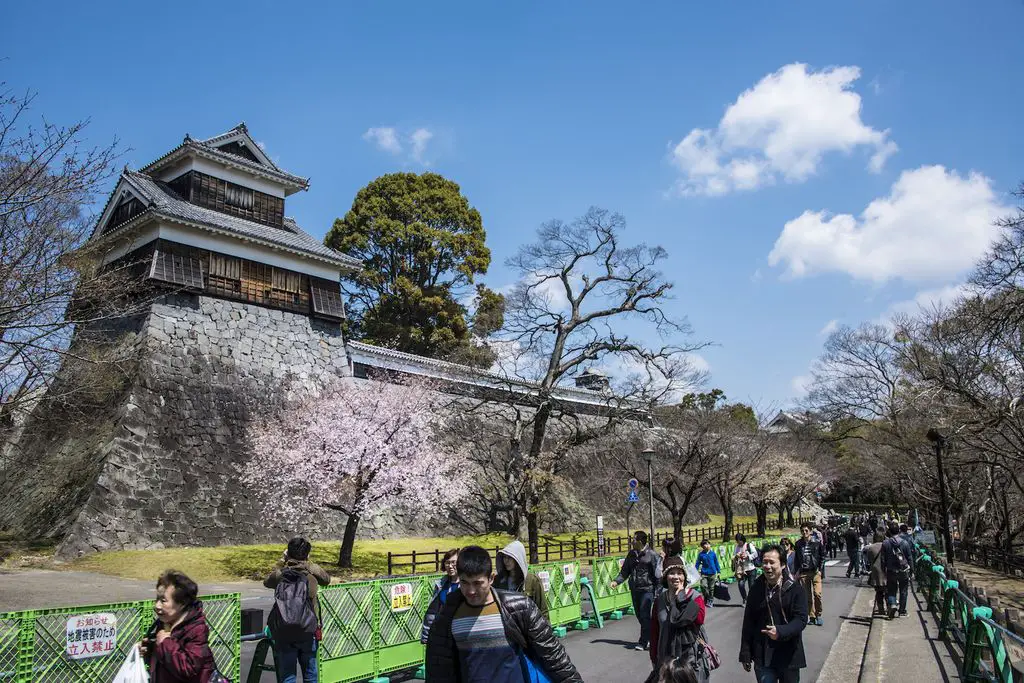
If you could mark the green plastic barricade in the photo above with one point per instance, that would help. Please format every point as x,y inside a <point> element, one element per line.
<point>562,589</point>
<point>609,599</point>
<point>88,644</point>
<point>349,615</point>
<point>403,603</point>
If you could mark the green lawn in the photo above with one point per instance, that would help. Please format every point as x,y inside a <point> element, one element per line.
<point>234,563</point>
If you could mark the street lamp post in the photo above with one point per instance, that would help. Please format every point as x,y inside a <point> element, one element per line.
<point>648,454</point>
<point>940,442</point>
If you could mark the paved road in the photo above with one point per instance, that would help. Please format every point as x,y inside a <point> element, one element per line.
<point>606,655</point>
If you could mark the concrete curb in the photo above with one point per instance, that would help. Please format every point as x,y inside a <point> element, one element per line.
<point>847,651</point>
<point>871,664</point>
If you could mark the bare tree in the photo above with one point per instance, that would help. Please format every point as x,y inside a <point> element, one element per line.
<point>584,300</point>
<point>48,178</point>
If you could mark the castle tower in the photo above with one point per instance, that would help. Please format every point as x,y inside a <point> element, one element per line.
<point>239,301</point>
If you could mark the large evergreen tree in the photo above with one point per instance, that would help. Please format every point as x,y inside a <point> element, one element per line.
<point>422,245</point>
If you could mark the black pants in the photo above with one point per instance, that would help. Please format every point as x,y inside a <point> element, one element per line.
<point>643,601</point>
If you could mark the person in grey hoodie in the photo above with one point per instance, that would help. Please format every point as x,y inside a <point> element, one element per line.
<point>514,575</point>
<point>643,569</point>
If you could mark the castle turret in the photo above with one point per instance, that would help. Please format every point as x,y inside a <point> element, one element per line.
<point>239,304</point>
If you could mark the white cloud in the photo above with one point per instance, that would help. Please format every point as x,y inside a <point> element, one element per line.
<point>830,327</point>
<point>801,384</point>
<point>419,139</point>
<point>780,128</point>
<point>934,224</point>
<point>386,139</point>
<point>413,145</point>
<point>926,300</point>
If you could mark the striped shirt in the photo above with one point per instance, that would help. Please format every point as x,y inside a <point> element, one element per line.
<point>485,655</point>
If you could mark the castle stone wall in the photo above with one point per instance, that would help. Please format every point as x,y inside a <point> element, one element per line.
<point>159,466</point>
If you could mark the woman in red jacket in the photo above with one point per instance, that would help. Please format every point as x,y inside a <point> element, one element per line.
<point>676,621</point>
<point>177,647</point>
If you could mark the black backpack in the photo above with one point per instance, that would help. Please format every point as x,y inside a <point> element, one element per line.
<point>292,618</point>
<point>899,560</point>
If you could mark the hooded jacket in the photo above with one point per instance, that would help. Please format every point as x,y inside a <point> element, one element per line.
<point>787,609</point>
<point>529,584</point>
<point>184,656</point>
<point>524,628</point>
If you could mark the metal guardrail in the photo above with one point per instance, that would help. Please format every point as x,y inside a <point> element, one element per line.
<point>983,643</point>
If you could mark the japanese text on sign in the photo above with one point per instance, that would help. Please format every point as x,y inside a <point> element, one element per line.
<point>91,635</point>
<point>568,573</point>
<point>545,580</point>
<point>401,597</point>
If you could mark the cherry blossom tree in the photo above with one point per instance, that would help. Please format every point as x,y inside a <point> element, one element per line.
<point>359,447</point>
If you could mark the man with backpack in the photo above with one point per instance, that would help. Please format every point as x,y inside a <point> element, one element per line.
<point>810,563</point>
<point>295,618</point>
<point>853,551</point>
<point>643,569</point>
<point>896,562</point>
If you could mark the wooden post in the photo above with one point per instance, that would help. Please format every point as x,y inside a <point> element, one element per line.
<point>390,572</point>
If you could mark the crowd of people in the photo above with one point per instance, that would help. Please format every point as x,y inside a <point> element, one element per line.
<point>489,624</point>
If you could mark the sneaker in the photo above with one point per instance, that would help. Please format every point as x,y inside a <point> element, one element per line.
<point>639,647</point>
<point>903,613</point>
<point>819,622</point>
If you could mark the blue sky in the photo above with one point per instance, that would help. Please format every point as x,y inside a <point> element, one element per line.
<point>694,120</point>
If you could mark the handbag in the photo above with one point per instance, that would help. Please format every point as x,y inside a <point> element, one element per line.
<point>710,654</point>
<point>722,592</point>
<point>218,677</point>
<point>133,669</point>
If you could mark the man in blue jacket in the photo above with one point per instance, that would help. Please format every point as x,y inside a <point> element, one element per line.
<point>707,565</point>
<point>644,571</point>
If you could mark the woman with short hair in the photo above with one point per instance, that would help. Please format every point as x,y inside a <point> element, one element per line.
<point>177,647</point>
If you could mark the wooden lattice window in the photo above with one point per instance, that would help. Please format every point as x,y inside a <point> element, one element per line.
<point>327,301</point>
<point>183,269</point>
<point>225,275</point>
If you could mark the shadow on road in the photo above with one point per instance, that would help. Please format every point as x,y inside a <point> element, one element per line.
<point>623,643</point>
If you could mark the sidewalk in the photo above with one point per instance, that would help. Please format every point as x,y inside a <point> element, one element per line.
<point>907,649</point>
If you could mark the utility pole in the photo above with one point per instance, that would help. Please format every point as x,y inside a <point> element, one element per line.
<point>940,442</point>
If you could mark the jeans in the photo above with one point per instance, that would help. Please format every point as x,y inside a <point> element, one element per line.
<point>897,581</point>
<point>746,583</point>
<point>643,601</point>
<point>811,581</point>
<point>765,674</point>
<point>287,655</point>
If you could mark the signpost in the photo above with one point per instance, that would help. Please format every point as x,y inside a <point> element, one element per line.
<point>600,536</point>
<point>632,498</point>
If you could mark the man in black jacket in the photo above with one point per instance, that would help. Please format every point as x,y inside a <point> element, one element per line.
<point>773,622</point>
<point>482,634</point>
<point>852,538</point>
<point>810,566</point>
<point>643,567</point>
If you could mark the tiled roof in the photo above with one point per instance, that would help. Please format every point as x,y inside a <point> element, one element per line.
<point>465,373</point>
<point>203,148</point>
<point>161,200</point>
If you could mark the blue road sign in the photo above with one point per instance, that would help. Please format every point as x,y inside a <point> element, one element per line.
<point>634,497</point>
<point>632,483</point>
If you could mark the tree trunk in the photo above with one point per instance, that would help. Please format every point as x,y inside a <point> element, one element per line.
<point>348,542</point>
<point>727,527</point>
<point>533,529</point>
<point>677,526</point>
<point>782,518</point>
<point>789,515</point>
<point>762,519</point>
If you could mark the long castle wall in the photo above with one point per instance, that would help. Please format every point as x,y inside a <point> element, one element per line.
<point>159,466</point>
